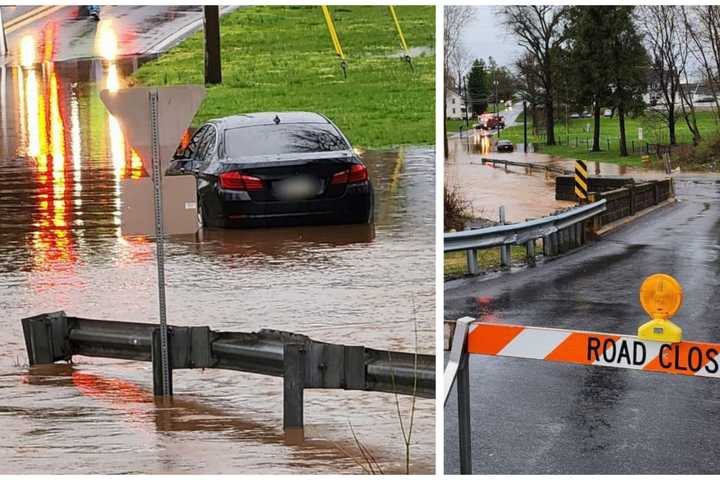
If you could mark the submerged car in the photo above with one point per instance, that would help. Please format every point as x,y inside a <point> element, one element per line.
<point>504,146</point>
<point>275,169</point>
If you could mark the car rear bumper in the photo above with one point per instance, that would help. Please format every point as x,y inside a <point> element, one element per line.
<point>354,206</point>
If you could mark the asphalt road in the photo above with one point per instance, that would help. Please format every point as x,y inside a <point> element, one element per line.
<point>67,33</point>
<point>536,417</point>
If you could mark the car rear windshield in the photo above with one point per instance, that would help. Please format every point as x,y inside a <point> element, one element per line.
<point>283,139</point>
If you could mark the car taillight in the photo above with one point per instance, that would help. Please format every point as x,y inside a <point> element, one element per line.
<point>355,174</point>
<point>239,181</point>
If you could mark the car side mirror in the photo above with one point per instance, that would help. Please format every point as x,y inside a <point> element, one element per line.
<point>181,167</point>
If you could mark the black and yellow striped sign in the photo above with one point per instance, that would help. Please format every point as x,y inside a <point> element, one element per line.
<point>581,181</point>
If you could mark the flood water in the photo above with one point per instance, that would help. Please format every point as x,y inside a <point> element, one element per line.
<point>524,195</point>
<point>62,159</point>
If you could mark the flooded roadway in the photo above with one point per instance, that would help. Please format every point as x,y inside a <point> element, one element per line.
<point>523,195</point>
<point>62,159</point>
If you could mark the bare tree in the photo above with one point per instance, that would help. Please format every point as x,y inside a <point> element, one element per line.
<point>668,48</point>
<point>702,24</point>
<point>540,30</point>
<point>529,85</point>
<point>456,18</point>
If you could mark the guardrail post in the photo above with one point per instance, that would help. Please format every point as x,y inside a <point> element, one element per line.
<point>156,353</point>
<point>473,268</point>
<point>631,189</point>
<point>531,253</point>
<point>471,254</point>
<point>293,390</point>
<point>559,241</point>
<point>505,249</point>
<point>463,394</point>
<point>580,233</point>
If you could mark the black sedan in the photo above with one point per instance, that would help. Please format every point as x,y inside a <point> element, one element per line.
<point>275,169</point>
<point>504,146</point>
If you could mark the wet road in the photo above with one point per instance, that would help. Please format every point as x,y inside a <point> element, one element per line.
<point>524,195</point>
<point>536,417</point>
<point>67,33</point>
<point>62,158</point>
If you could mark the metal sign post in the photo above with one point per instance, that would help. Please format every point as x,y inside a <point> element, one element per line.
<point>153,120</point>
<point>159,242</point>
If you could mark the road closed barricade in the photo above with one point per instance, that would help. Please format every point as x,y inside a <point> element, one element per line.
<point>658,347</point>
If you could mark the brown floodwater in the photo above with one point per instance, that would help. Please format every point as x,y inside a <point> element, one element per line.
<point>524,195</point>
<point>62,159</point>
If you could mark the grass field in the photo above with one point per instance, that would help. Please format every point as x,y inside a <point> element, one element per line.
<point>576,138</point>
<point>281,58</point>
<point>455,264</point>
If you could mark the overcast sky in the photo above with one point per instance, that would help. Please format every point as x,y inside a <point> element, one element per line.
<point>486,36</point>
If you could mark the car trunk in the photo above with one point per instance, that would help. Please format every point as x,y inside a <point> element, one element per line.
<point>298,177</point>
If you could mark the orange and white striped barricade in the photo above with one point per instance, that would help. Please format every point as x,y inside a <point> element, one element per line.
<point>698,359</point>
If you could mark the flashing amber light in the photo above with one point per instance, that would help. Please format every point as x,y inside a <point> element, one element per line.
<point>660,296</point>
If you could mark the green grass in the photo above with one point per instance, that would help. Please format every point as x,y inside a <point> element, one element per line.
<point>454,125</point>
<point>653,132</point>
<point>281,58</point>
<point>455,264</point>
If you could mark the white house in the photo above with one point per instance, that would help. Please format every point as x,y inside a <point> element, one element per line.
<point>455,106</point>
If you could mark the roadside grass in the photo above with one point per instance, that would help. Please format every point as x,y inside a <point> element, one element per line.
<point>454,125</point>
<point>455,264</point>
<point>279,58</point>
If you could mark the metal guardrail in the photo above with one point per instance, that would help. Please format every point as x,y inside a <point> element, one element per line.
<point>302,362</point>
<point>559,232</point>
<point>528,166</point>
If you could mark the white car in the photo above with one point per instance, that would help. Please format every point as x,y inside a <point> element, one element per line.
<point>607,113</point>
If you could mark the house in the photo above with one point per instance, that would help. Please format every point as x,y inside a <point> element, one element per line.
<point>455,105</point>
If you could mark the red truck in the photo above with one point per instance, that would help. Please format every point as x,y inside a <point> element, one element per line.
<point>490,121</point>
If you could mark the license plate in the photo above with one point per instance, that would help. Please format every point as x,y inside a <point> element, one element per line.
<point>297,188</point>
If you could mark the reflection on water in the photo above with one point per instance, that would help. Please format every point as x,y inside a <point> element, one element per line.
<point>62,158</point>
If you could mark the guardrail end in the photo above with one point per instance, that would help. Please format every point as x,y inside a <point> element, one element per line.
<point>46,338</point>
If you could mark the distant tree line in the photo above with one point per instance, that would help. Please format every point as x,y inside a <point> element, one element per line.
<point>576,57</point>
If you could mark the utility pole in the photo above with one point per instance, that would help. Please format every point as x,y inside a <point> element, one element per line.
<point>3,39</point>
<point>525,126</point>
<point>497,119</point>
<point>211,22</point>
<point>467,120</point>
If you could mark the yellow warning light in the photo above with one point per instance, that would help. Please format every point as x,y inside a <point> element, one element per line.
<point>660,297</point>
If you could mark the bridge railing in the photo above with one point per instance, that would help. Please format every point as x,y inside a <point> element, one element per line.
<point>631,199</point>
<point>302,362</point>
<point>559,233</point>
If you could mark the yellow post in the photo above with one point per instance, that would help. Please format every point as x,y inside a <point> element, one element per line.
<point>333,34</point>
